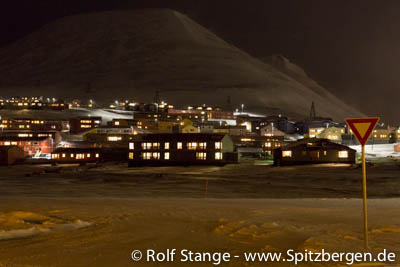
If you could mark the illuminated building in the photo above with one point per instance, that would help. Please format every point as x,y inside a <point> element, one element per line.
<point>181,149</point>
<point>312,151</point>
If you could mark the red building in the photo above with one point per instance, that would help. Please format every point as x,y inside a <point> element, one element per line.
<point>32,146</point>
<point>56,136</point>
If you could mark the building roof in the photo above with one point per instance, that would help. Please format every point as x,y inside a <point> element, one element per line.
<point>87,118</point>
<point>179,137</point>
<point>315,143</point>
<point>75,150</point>
<point>16,138</point>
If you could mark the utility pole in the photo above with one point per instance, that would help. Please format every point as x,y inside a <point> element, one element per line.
<point>312,111</point>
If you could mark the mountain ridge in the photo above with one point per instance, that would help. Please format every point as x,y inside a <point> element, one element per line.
<point>132,54</point>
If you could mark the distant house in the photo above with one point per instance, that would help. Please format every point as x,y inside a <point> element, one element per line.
<point>10,155</point>
<point>313,150</point>
<point>83,124</point>
<point>206,128</point>
<point>121,123</point>
<point>189,129</point>
<point>395,135</point>
<point>270,130</point>
<point>332,133</point>
<point>111,137</point>
<point>311,128</point>
<point>279,122</point>
<point>181,149</point>
<point>380,135</point>
<point>231,130</point>
<point>33,124</point>
<point>257,143</point>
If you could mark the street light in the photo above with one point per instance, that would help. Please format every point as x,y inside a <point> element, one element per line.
<point>242,107</point>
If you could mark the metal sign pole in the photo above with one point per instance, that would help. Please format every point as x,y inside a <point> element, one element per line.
<point>364,171</point>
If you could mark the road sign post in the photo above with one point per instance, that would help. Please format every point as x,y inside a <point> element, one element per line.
<point>362,129</point>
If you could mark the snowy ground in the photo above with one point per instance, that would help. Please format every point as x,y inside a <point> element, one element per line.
<point>96,216</point>
<point>378,151</point>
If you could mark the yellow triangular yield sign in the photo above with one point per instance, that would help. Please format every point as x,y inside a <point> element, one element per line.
<point>362,128</point>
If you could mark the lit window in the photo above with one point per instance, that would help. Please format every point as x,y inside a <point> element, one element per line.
<point>131,146</point>
<point>218,145</point>
<point>166,145</point>
<point>114,138</point>
<point>72,155</point>
<point>192,145</point>
<point>179,145</point>
<point>203,145</point>
<point>166,155</point>
<point>80,156</point>
<point>146,155</point>
<point>88,155</point>
<point>201,155</point>
<point>146,146</point>
<point>130,155</point>
<point>97,155</point>
<point>63,155</point>
<point>325,153</point>
<point>218,155</point>
<point>116,123</point>
<point>156,155</point>
<point>343,154</point>
<point>268,144</point>
<point>287,154</point>
<point>156,145</point>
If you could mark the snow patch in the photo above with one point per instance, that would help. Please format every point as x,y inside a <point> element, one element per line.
<point>22,224</point>
<point>22,233</point>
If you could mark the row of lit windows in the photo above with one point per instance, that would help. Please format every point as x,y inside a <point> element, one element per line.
<point>30,135</point>
<point>10,143</point>
<point>194,145</point>
<point>269,144</point>
<point>15,143</point>
<point>179,145</point>
<point>156,155</point>
<point>77,156</point>
<point>24,135</point>
<point>341,154</point>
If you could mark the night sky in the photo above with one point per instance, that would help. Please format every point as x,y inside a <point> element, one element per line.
<point>350,47</point>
